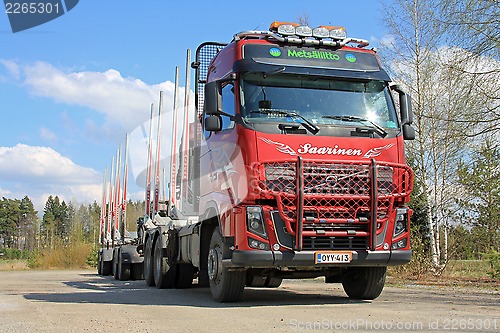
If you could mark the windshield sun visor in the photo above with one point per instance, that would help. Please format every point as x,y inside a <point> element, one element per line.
<point>310,61</point>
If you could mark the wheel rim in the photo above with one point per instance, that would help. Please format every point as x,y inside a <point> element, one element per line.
<point>214,264</point>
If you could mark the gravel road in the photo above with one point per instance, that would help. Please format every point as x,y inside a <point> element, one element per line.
<point>82,301</point>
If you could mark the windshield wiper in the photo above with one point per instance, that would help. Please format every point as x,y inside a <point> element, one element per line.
<point>307,123</point>
<point>379,129</point>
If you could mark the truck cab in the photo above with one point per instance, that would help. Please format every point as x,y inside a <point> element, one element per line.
<point>301,166</point>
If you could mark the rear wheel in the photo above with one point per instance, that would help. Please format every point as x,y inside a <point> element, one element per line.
<point>99,263</point>
<point>148,263</point>
<point>137,271</point>
<point>114,264</point>
<point>106,268</point>
<point>225,285</point>
<point>364,282</point>
<point>164,266</point>
<point>185,275</point>
<point>123,269</point>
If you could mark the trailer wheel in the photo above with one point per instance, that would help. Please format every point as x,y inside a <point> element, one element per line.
<point>225,285</point>
<point>364,282</point>
<point>164,266</point>
<point>114,264</point>
<point>137,271</point>
<point>123,269</point>
<point>185,275</point>
<point>99,263</point>
<point>106,268</point>
<point>148,263</point>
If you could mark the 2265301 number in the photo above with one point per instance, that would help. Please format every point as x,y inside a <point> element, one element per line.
<point>31,8</point>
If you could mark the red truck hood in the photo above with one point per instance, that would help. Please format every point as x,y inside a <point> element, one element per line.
<point>272,147</point>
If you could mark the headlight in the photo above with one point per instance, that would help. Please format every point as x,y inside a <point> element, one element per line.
<point>401,222</point>
<point>255,221</point>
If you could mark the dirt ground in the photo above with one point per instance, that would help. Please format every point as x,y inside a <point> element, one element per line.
<point>82,301</point>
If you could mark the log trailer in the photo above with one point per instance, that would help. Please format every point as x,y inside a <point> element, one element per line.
<point>292,166</point>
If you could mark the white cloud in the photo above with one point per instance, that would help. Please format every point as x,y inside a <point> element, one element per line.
<point>123,101</point>
<point>4,193</point>
<point>47,135</point>
<point>42,165</point>
<point>387,41</point>
<point>12,67</point>
<point>41,171</point>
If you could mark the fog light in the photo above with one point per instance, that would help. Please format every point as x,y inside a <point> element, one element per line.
<point>399,244</point>
<point>276,247</point>
<point>254,243</point>
<point>257,244</point>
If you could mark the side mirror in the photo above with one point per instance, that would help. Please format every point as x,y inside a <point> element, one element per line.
<point>213,123</point>
<point>408,132</point>
<point>213,98</point>
<point>406,113</point>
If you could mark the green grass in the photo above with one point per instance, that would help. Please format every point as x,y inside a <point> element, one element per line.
<point>467,269</point>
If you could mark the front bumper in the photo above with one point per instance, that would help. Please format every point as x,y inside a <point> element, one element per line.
<point>275,259</point>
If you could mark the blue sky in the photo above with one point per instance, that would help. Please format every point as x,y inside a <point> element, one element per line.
<point>71,88</point>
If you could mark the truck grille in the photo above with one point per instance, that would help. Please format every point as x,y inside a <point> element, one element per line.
<point>336,199</point>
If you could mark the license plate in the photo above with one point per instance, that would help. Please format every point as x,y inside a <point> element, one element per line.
<point>332,257</point>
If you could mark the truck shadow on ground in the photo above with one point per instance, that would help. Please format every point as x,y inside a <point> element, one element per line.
<point>106,290</point>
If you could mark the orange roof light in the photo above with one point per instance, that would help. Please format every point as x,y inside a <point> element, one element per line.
<point>274,25</point>
<point>284,28</point>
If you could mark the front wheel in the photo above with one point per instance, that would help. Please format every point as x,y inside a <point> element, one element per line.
<point>225,285</point>
<point>364,282</point>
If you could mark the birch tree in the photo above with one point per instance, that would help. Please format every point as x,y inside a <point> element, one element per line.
<point>417,57</point>
<point>474,26</point>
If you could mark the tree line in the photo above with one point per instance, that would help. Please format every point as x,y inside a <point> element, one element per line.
<point>61,223</point>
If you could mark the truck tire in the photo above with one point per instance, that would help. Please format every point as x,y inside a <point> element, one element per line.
<point>99,263</point>
<point>114,264</point>
<point>185,275</point>
<point>364,282</point>
<point>137,271</point>
<point>225,285</point>
<point>123,269</point>
<point>106,268</point>
<point>164,267</point>
<point>148,263</point>
<point>273,282</point>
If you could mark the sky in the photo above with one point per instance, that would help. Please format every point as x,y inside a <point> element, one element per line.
<point>71,88</point>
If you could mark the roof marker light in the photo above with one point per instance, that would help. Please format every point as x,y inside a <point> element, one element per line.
<point>321,32</point>
<point>338,33</point>
<point>303,31</point>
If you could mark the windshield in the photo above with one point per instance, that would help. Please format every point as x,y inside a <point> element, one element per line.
<point>322,101</point>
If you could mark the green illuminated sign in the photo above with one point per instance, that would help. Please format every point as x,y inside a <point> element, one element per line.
<point>313,54</point>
